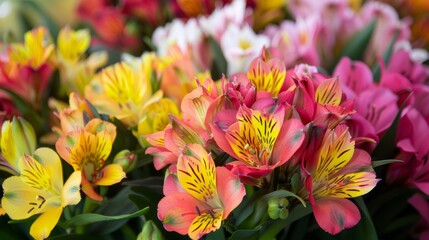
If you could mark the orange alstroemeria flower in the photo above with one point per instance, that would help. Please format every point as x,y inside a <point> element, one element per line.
<point>87,150</point>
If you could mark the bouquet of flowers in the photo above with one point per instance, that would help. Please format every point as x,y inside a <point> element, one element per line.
<point>146,119</point>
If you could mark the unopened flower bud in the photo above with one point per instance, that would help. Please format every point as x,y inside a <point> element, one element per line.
<point>278,208</point>
<point>126,159</point>
<point>149,232</point>
<point>17,138</point>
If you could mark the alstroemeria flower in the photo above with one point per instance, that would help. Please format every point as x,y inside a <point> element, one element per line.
<point>156,118</point>
<point>76,72</point>
<point>87,150</point>
<point>355,76</point>
<point>207,195</point>
<point>241,45</point>
<point>259,141</point>
<point>17,139</point>
<point>40,189</point>
<point>35,51</point>
<point>25,68</point>
<point>113,92</point>
<point>267,76</point>
<point>337,171</point>
<point>295,42</point>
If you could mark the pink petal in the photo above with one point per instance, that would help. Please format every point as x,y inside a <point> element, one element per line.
<point>421,205</point>
<point>335,214</point>
<point>290,139</point>
<point>177,211</point>
<point>230,190</point>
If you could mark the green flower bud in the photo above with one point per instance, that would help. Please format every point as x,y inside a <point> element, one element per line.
<point>149,232</point>
<point>278,208</point>
<point>126,159</point>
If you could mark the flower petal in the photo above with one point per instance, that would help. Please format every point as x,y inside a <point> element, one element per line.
<point>205,223</point>
<point>336,152</point>
<point>71,189</point>
<point>21,201</point>
<point>42,227</point>
<point>178,217</point>
<point>335,214</point>
<point>349,185</point>
<point>291,136</point>
<point>51,162</point>
<point>231,191</point>
<point>197,174</point>
<point>88,189</point>
<point>111,174</point>
<point>329,92</point>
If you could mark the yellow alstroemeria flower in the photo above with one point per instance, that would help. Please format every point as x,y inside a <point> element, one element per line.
<point>72,44</point>
<point>155,119</point>
<point>87,150</point>
<point>123,92</point>
<point>35,51</point>
<point>76,71</point>
<point>17,138</point>
<point>40,190</point>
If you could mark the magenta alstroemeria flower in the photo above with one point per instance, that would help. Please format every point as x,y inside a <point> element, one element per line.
<point>378,106</point>
<point>355,76</point>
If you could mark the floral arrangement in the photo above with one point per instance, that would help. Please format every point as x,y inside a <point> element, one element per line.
<point>193,119</point>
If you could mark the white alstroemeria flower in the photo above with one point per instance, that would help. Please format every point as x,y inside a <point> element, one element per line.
<point>178,33</point>
<point>240,46</point>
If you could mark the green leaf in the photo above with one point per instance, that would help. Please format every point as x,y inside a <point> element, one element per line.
<point>219,65</point>
<point>365,228</point>
<point>355,49</point>
<point>25,108</point>
<point>248,234</point>
<point>143,196</point>
<point>386,58</point>
<point>384,162</point>
<point>216,235</point>
<point>30,7</point>
<point>88,218</point>
<point>80,237</point>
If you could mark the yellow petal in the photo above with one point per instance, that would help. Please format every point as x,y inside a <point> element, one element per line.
<point>349,185</point>
<point>267,129</point>
<point>205,223</point>
<point>7,144</point>
<point>90,152</point>
<point>260,75</point>
<point>336,152</point>
<point>51,162</point>
<point>111,174</point>
<point>329,92</point>
<point>71,189</point>
<point>197,175</point>
<point>44,224</point>
<point>21,201</point>
<point>97,125</point>
<point>36,175</point>
<point>17,138</point>
<point>72,44</point>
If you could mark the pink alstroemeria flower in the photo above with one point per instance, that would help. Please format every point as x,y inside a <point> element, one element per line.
<point>337,171</point>
<point>207,194</point>
<point>259,141</point>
